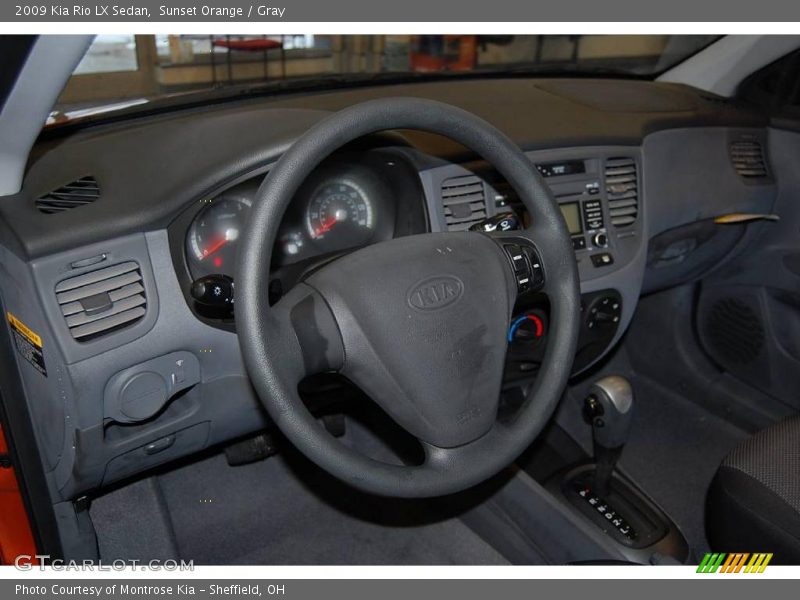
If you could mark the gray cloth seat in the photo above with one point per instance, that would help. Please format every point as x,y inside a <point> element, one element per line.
<point>753,504</point>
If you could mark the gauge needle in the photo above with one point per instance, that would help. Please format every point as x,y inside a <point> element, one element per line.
<point>326,226</point>
<point>214,247</point>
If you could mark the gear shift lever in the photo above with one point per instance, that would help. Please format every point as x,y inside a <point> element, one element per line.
<point>614,503</point>
<point>608,408</point>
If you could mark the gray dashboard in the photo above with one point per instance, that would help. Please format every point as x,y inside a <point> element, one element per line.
<point>153,171</point>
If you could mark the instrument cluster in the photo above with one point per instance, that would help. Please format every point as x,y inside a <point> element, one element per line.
<point>343,205</point>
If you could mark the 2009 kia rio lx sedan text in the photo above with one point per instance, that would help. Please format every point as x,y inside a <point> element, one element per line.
<point>499,300</point>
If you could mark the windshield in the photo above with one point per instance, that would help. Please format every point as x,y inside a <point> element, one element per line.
<point>128,71</point>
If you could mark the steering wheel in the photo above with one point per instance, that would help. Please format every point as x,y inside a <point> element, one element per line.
<point>419,323</point>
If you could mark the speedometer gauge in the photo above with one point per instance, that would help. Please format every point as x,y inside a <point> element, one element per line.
<point>213,236</point>
<point>339,216</point>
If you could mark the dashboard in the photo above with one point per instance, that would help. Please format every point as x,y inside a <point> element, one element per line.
<point>632,165</point>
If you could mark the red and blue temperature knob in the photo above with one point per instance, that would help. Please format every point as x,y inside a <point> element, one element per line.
<point>526,327</point>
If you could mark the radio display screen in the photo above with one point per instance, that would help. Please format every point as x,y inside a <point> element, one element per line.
<point>570,167</point>
<point>572,216</point>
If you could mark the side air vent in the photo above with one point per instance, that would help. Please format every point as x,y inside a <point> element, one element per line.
<point>622,191</point>
<point>102,301</point>
<point>82,191</point>
<point>464,201</point>
<point>748,159</point>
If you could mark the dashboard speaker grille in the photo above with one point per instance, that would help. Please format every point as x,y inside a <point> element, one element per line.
<point>102,301</point>
<point>622,191</point>
<point>78,193</point>
<point>748,159</point>
<point>734,331</point>
<point>464,201</point>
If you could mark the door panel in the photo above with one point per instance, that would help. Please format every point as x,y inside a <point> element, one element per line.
<point>748,312</point>
<point>752,332</point>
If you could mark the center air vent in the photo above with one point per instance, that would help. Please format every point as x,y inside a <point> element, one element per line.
<point>622,191</point>
<point>748,159</point>
<point>82,191</point>
<point>102,301</point>
<point>464,202</point>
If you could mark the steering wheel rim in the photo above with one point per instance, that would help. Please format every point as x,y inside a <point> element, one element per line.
<point>309,329</point>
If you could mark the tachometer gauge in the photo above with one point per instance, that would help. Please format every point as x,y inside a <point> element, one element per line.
<point>339,216</point>
<point>213,236</point>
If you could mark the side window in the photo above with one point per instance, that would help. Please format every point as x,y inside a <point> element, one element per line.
<point>109,54</point>
<point>115,70</point>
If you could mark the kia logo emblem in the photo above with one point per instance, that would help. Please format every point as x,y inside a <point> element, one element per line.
<point>435,293</point>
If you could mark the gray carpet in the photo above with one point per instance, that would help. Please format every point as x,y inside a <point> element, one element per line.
<point>279,511</point>
<point>133,523</point>
<point>263,514</point>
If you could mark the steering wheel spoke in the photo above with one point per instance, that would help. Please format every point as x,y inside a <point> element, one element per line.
<point>438,458</point>
<point>304,318</point>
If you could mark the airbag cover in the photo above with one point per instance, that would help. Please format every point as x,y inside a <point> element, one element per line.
<point>423,322</point>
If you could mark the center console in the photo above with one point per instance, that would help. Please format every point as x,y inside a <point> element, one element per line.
<point>601,312</point>
<point>599,194</point>
<point>599,200</point>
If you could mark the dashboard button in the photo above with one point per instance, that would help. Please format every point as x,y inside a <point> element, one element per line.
<point>537,272</point>
<point>595,223</point>
<point>602,259</point>
<point>517,257</point>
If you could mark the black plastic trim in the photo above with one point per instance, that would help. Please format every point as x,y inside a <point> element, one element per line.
<point>15,50</point>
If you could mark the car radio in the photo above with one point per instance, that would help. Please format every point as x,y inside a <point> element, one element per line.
<point>579,199</point>
<point>576,185</point>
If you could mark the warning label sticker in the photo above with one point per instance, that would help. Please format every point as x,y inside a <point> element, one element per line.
<point>28,343</point>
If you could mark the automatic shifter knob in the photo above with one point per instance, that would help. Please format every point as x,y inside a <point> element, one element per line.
<point>609,409</point>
